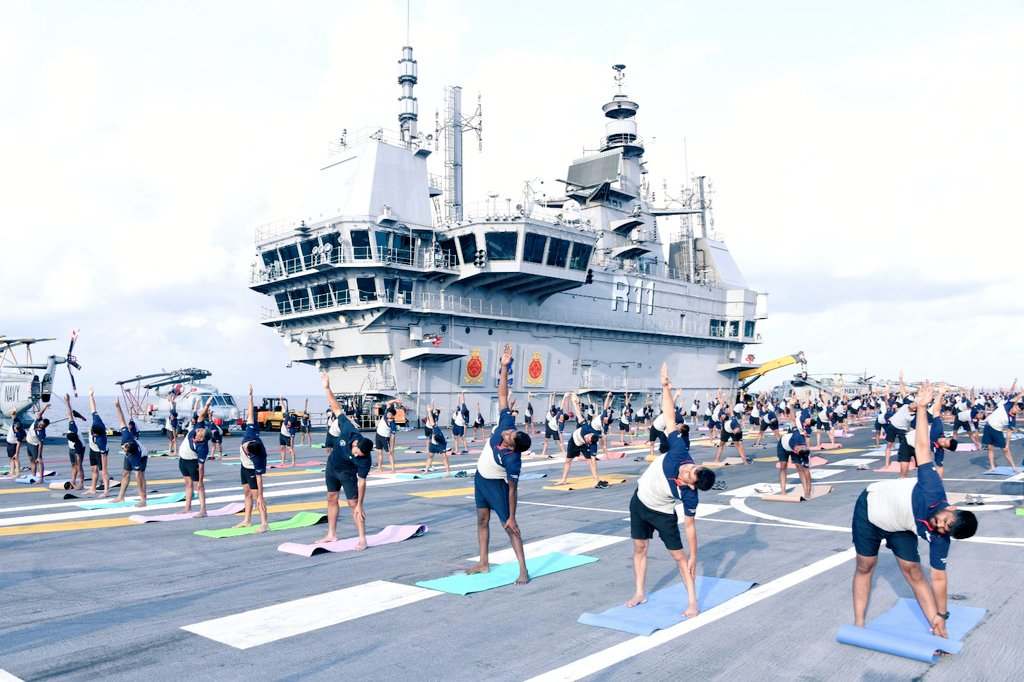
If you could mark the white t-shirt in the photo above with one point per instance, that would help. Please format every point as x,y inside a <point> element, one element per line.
<point>383,430</point>
<point>999,419</point>
<point>185,450</point>
<point>889,504</point>
<point>11,438</point>
<point>901,420</point>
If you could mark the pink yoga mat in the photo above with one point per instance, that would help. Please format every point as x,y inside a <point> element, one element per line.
<point>612,455</point>
<point>387,536</point>
<point>966,447</point>
<point>312,462</point>
<point>226,510</point>
<point>827,446</point>
<point>894,467</point>
<point>815,462</point>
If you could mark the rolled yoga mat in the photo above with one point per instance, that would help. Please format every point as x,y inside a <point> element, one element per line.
<point>903,631</point>
<point>300,520</point>
<point>389,535</point>
<point>506,574</point>
<point>664,608</point>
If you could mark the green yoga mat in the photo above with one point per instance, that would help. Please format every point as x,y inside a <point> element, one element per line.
<point>506,574</point>
<point>166,499</point>
<point>1020,511</point>
<point>301,520</point>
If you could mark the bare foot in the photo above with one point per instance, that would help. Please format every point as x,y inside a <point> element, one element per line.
<point>104,494</point>
<point>242,524</point>
<point>326,538</point>
<point>142,503</point>
<point>87,492</point>
<point>200,515</point>
<point>638,598</point>
<point>261,529</point>
<point>523,578</point>
<point>691,611</point>
<point>479,568</point>
<point>360,546</point>
<point>561,482</point>
<point>118,499</point>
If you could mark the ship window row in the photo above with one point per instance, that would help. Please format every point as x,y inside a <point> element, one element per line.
<point>339,293</point>
<point>730,328</point>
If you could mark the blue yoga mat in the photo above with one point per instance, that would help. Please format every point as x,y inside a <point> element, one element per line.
<point>166,499</point>
<point>664,608</point>
<point>527,476</point>
<point>506,574</point>
<point>1001,471</point>
<point>903,631</point>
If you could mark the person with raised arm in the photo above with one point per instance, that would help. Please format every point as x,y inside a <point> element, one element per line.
<point>496,483</point>
<point>286,438</point>
<point>997,428</point>
<point>76,449</point>
<point>437,444</point>
<point>15,439</point>
<point>480,423</point>
<point>899,511</point>
<point>35,438</point>
<point>135,459</point>
<point>192,454</point>
<point>937,440</point>
<point>554,424</point>
<point>384,439</point>
<point>305,434</point>
<point>460,419</point>
<point>171,425</point>
<point>670,479</point>
<point>582,442</point>
<point>97,449</point>
<point>348,465</point>
<point>252,453</point>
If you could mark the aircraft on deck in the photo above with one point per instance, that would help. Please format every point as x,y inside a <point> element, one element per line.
<point>20,387</point>
<point>183,386</point>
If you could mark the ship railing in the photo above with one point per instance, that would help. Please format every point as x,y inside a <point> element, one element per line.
<point>690,324</point>
<point>611,383</point>
<point>424,259</point>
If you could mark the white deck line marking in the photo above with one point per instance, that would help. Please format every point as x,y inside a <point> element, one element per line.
<point>271,623</point>
<point>741,506</point>
<point>638,645</point>
<point>89,513</point>
<point>7,677</point>
<point>818,474</point>
<point>568,543</point>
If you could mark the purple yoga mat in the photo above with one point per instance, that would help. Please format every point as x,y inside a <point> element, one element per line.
<point>310,463</point>
<point>387,536</point>
<point>226,510</point>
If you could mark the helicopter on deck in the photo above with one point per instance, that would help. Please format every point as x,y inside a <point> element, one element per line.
<point>20,387</point>
<point>148,398</point>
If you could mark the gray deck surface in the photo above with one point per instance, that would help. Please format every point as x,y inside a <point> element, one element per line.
<point>109,603</point>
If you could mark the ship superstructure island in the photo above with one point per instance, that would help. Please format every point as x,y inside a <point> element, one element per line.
<point>392,287</point>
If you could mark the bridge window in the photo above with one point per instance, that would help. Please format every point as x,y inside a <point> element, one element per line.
<point>717,328</point>
<point>467,247</point>
<point>558,252</point>
<point>533,248</point>
<point>383,240</point>
<point>734,328</point>
<point>447,247</point>
<point>580,256</point>
<point>361,244</point>
<point>748,328</point>
<point>367,288</point>
<point>501,245</point>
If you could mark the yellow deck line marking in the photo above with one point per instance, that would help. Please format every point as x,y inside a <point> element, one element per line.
<point>451,492</point>
<point>64,526</point>
<point>15,491</point>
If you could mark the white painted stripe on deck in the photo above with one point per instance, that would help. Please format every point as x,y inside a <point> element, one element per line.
<point>853,461</point>
<point>271,623</point>
<point>569,543</point>
<point>595,663</point>
<point>7,677</point>
<point>818,474</point>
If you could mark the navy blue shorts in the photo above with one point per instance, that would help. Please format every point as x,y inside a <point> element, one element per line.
<point>867,537</point>
<point>437,448</point>
<point>96,458</point>
<point>573,451</point>
<point>550,433</point>
<point>337,478</point>
<point>74,456</point>
<point>992,437</point>
<point>135,463</point>
<point>458,431</point>
<point>799,460</point>
<point>643,521</point>
<point>492,493</point>
<point>890,433</point>
<point>189,468</point>
<point>381,443</point>
<point>732,436</point>
<point>250,477</point>
<point>907,451</point>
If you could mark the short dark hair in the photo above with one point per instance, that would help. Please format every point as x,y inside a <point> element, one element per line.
<point>46,422</point>
<point>952,444</point>
<point>133,448</point>
<point>256,448</point>
<point>802,450</point>
<point>705,478</point>
<point>685,430</point>
<point>365,446</point>
<point>522,441</point>
<point>97,430</point>
<point>965,525</point>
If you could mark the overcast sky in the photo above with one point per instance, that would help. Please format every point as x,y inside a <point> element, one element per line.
<point>866,159</point>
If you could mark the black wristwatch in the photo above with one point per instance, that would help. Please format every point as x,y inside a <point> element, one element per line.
<point>944,616</point>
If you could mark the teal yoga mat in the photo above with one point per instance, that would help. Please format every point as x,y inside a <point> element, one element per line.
<point>903,631</point>
<point>664,608</point>
<point>166,499</point>
<point>506,574</point>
